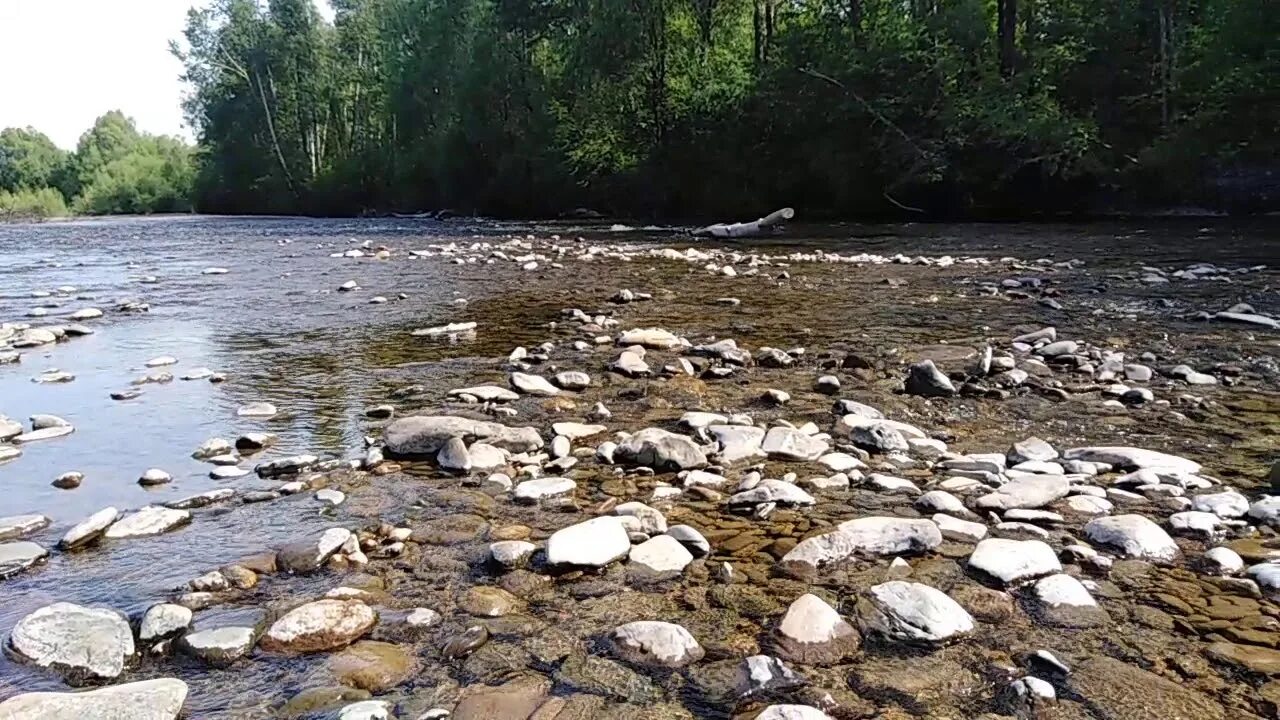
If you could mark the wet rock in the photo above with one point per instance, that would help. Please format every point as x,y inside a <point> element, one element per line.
<point>598,676</point>
<point>427,434</point>
<point>871,535</point>
<point>486,393</point>
<point>211,448</point>
<point>291,465</point>
<point>465,643</point>
<point>593,543</point>
<point>373,666</point>
<point>518,699</point>
<point>1014,561</point>
<point>487,601</point>
<point>163,621</point>
<point>10,428</point>
<point>1027,492</point>
<point>149,520</point>
<point>160,699</point>
<point>654,643</point>
<point>1251,658</point>
<point>1116,691</point>
<point>219,647</point>
<point>1130,458</point>
<point>308,555</point>
<point>879,437</point>
<point>46,433</point>
<point>16,526</point>
<point>924,378</point>
<point>257,410</point>
<point>661,450</point>
<point>82,644</point>
<point>16,557</point>
<point>255,441</point>
<point>319,625</point>
<point>153,477</point>
<point>533,385</point>
<point>691,539</point>
<point>662,556</point>
<point>813,633</point>
<point>89,529</point>
<point>784,443</point>
<point>1134,535</point>
<point>912,612</point>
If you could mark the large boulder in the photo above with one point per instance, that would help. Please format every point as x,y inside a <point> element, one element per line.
<point>83,644</point>
<point>319,625</point>
<point>427,434</point>
<point>593,543</point>
<point>870,535</point>
<point>912,612</point>
<point>649,642</point>
<point>1134,535</point>
<point>661,450</point>
<point>160,699</point>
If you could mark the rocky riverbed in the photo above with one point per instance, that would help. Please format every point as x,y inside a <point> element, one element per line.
<point>303,469</point>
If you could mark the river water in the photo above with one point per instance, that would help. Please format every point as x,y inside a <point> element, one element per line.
<point>280,330</point>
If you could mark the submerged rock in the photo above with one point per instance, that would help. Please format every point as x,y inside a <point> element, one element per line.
<point>89,529</point>
<point>648,642</point>
<point>16,526</point>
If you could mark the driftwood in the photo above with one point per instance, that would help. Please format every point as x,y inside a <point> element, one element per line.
<point>747,229</point>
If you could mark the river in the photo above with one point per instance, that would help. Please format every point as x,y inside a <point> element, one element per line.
<point>279,328</point>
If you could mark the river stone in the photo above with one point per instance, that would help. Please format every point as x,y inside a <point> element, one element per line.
<point>219,647</point>
<point>511,554</point>
<point>373,666</point>
<point>48,433</point>
<point>487,393</point>
<point>427,434</point>
<point>1223,561</point>
<point>366,710</point>
<point>531,491</point>
<point>10,428</point>
<point>1065,602</point>
<point>257,410</point>
<point>694,420</point>
<point>661,450</point>
<point>650,520</point>
<point>18,556</point>
<point>211,448</point>
<point>1014,561</point>
<point>653,338</point>
<point>593,543</point>
<point>454,456</point>
<point>784,443</point>
<point>81,643</point>
<point>924,378</point>
<point>518,699</point>
<point>879,436</point>
<point>1031,449</point>
<point>1135,535</point>
<point>691,539</point>
<point>319,625</point>
<point>1267,576</point>
<point>954,528</point>
<point>306,556</point>
<point>488,601</point>
<point>1026,493</point>
<point>870,535</point>
<point>770,490</point>
<point>153,477</point>
<point>653,643</point>
<point>572,380</point>
<point>630,364</point>
<point>738,443</point>
<point>1229,504</point>
<point>15,526</point>
<point>89,529</point>
<point>160,699</point>
<point>149,520</point>
<point>792,712</point>
<point>941,501</point>
<point>662,555</point>
<point>813,633</point>
<point>912,612</point>
<point>255,441</point>
<point>533,385</point>
<point>162,621</point>
<point>1131,458</point>
<point>1114,690</point>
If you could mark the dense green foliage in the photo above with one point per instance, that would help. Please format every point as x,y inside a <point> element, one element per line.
<point>115,169</point>
<point>697,107</point>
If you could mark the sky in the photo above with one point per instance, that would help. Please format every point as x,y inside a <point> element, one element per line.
<point>63,63</point>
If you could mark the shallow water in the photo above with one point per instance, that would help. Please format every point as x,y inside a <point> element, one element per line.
<point>276,325</point>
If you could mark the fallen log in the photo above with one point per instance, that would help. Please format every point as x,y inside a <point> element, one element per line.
<point>747,229</point>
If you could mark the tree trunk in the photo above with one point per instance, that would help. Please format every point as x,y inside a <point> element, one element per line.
<point>1007,30</point>
<point>855,19</point>
<point>1166,59</point>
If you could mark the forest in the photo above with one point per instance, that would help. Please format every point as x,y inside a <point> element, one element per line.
<point>672,109</point>
<point>694,108</point>
<point>114,170</point>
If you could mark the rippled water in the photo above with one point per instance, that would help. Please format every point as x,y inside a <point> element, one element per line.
<point>276,325</point>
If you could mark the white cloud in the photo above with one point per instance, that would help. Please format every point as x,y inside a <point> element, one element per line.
<point>65,62</point>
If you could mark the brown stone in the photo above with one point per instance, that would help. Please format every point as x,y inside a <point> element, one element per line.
<point>240,576</point>
<point>487,601</point>
<point>510,532</point>
<point>373,666</point>
<point>450,530</point>
<point>984,604</point>
<point>313,700</point>
<point>516,700</point>
<point>1116,690</point>
<point>1248,657</point>
<point>263,563</point>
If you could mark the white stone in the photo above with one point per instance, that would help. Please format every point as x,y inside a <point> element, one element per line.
<point>1223,561</point>
<point>593,543</point>
<point>1028,492</point>
<point>662,554</point>
<point>15,526</point>
<point>87,530</point>
<point>1014,561</point>
<point>511,553</point>
<point>150,520</point>
<point>1134,535</point>
<point>1130,457</point>
<point>82,642</point>
<point>160,699</point>
<point>792,712</point>
<point>1228,504</point>
<point>912,612</point>
<point>532,491</point>
<point>841,462</point>
<point>956,529</point>
<point>775,491</point>
<point>533,385</point>
<point>163,620</point>
<point>655,643</point>
<point>1060,589</point>
<point>790,444</point>
<point>871,535</point>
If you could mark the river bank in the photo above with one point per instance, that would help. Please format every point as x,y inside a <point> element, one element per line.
<point>345,328</point>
